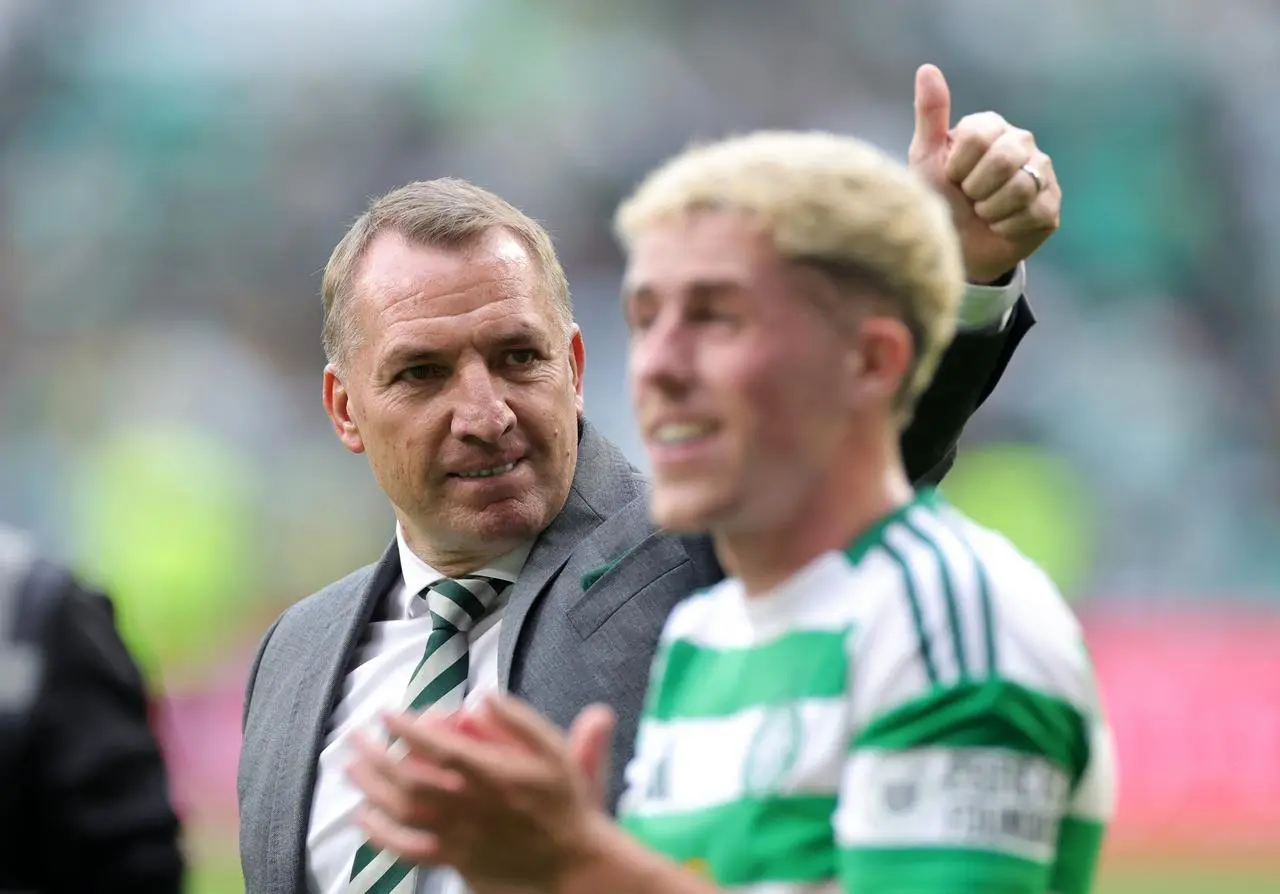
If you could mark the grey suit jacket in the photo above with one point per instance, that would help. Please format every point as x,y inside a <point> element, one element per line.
<point>581,625</point>
<point>562,647</point>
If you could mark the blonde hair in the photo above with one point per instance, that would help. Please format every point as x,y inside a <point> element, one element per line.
<point>447,212</point>
<point>837,203</point>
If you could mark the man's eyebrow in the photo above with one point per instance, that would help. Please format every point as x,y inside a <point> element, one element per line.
<point>702,289</point>
<point>411,355</point>
<point>518,335</point>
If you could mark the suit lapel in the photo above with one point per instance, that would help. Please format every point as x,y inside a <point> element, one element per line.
<point>549,554</point>
<point>603,482</point>
<point>319,688</point>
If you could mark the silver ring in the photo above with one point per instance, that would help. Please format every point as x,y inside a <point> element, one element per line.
<point>1034,176</point>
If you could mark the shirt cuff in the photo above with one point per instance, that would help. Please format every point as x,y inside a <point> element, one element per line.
<point>989,307</point>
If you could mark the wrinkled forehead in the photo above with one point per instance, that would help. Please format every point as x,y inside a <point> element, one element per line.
<point>394,264</point>
<point>493,272</point>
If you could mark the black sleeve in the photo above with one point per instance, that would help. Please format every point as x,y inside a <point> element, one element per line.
<point>102,800</point>
<point>969,371</point>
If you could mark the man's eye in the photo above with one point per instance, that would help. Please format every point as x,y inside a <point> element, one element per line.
<point>522,358</point>
<point>708,314</point>
<point>639,322</point>
<point>422,372</point>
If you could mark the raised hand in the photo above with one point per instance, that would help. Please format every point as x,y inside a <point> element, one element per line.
<point>1004,195</point>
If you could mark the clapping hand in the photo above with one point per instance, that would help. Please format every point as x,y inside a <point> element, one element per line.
<point>499,794</point>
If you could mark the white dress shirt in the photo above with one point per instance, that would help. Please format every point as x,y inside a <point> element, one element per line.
<point>985,307</point>
<point>395,646</point>
<point>376,685</point>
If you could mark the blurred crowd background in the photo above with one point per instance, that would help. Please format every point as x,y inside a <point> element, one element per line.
<point>173,176</point>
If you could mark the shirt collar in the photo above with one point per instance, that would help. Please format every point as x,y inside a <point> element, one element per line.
<point>418,575</point>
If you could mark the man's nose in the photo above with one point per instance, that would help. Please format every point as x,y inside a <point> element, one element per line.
<point>661,357</point>
<point>481,412</point>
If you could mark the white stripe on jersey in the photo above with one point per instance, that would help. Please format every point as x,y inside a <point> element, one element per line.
<point>707,771</point>
<point>817,599</point>
<point>926,585</point>
<point>1039,641</point>
<point>1098,789</point>
<point>962,569</point>
<point>788,888</point>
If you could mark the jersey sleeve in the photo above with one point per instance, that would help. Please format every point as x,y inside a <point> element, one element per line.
<point>992,774</point>
<point>1092,805</point>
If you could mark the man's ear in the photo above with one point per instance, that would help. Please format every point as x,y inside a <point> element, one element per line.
<point>578,361</point>
<point>337,403</point>
<point>878,361</point>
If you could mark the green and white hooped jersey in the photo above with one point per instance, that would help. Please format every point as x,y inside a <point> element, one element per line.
<point>915,714</point>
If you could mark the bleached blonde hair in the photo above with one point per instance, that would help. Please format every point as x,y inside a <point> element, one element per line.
<point>834,202</point>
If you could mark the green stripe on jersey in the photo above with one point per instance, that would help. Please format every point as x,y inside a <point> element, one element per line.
<point>984,596</point>
<point>874,535</point>
<point>749,841</point>
<point>1079,844</point>
<point>703,682</point>
<point>948,593</point>
<point>991,714</point>
<point>940,871</point>
<point>917,615</point>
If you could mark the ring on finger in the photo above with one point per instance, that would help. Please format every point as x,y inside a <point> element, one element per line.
<point>1034,175</point>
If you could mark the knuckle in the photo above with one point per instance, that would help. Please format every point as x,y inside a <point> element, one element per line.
<point>973,189</point>
<point>1025,190</point>
<point>986,211</point>
<point>992,124</point>
<point>1005,160</point>
<point>983,121</point>
<point>979,129</point>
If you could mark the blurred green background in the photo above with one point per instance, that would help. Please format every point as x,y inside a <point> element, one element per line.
<point>173,176</point>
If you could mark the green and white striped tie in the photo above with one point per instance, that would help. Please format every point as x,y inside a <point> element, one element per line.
<point>439,681</point>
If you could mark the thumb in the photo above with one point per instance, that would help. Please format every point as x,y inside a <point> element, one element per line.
<point>933,110</point>
<point>590,738</point>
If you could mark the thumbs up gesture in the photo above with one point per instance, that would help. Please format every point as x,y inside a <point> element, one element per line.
<point>1002,190</point>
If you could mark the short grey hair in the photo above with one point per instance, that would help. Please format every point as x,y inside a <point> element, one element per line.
<point>447,212</point>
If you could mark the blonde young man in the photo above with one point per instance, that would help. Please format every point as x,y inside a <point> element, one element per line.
<point>883,697</point>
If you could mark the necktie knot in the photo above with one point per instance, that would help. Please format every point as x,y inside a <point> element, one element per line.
<point>459,603</point>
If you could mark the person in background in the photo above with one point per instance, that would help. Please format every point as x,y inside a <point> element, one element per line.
<point>84,793</point>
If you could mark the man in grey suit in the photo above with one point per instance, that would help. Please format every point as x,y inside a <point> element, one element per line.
<point>524,559</point>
